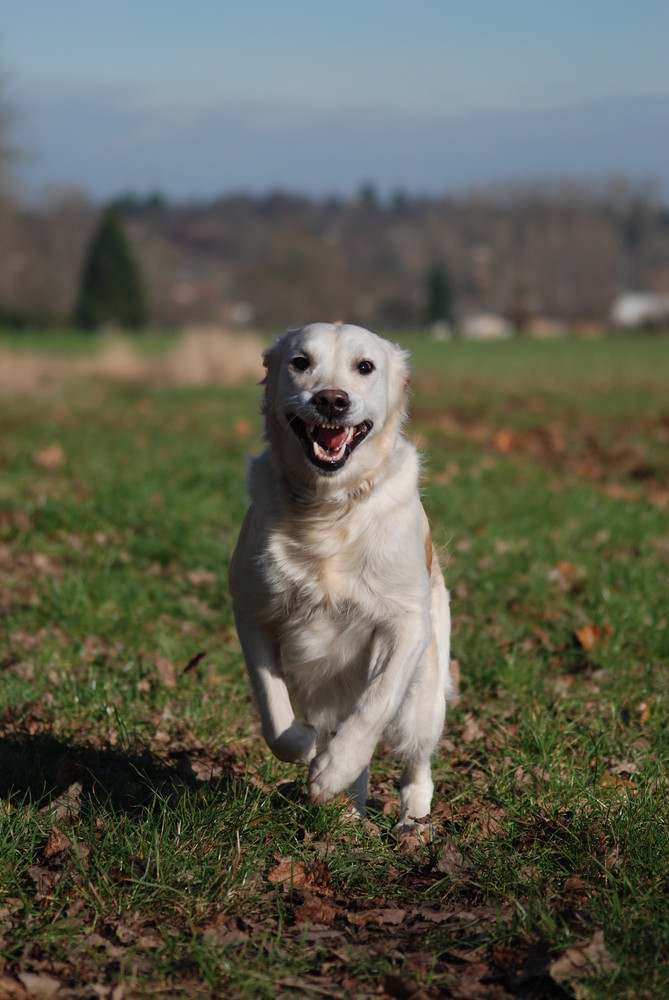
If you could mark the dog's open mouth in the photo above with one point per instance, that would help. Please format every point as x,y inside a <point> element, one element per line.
<point>328,446</point>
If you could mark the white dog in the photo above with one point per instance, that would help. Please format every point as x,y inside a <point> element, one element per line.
<point>338,597</point>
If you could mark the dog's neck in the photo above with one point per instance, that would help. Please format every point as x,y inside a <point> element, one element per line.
<point>304,495</point>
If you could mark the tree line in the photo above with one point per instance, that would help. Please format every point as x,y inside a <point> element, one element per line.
<point>558,252</point>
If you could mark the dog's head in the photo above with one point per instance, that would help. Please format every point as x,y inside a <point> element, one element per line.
<point>335,399</point>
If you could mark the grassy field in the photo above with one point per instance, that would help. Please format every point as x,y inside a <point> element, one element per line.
<point>149,845</point>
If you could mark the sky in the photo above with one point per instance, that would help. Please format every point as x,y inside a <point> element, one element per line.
<point>201,98</point>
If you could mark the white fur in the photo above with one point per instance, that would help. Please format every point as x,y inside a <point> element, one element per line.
<point>337,593</point>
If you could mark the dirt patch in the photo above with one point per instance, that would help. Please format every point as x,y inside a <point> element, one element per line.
<point>200,356</point>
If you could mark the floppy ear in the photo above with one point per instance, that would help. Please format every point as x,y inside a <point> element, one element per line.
<point>271,359</point>
<point>399,379</point>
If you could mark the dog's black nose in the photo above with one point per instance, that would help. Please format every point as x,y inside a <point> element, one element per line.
<point>331,402</point>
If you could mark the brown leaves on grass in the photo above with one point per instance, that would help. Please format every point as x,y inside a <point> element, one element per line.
<point>625,458</point>
<point>582,961</point>
<point>591,637</point>
<point>50,458</point>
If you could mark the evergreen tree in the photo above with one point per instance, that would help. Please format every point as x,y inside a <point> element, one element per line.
<point>111,289</point>
<point>439,297</point>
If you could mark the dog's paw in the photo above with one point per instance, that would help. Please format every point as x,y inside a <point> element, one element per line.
<point>409,826</point>
<point>326,779</point>
<point>296,745</point>
<point>329,775</point>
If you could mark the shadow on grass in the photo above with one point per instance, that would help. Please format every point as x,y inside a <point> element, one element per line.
<point>40,768</point>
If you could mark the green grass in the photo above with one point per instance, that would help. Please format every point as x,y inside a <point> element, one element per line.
<point>74,343</point>
<point>144,828</point>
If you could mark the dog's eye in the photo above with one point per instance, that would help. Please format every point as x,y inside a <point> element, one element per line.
<point>366,367</point>
<point>300,363</point>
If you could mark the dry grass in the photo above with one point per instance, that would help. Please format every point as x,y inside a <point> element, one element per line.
<point>200,356</point>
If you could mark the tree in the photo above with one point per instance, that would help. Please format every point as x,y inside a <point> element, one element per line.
<point>111,288</point>
<point>439,297</point>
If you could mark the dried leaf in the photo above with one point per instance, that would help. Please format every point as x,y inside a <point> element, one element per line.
<point>44,879</point>
<point>624,767</point>
<point>316,911</point>
<point>472,730</point>
<point>591,636</point>
<point>582,960</point>
<point>576,888</point>
<point>50,458</point>
<point>567,576</point>
<point>39,985</point>
<point>242,427</point>
<point>504,440</point>
<point>56,844</point>
<point>379,915</point>
<point>150,941</point>
<point>165,669</point>
<point>201,577</point>
<point>289,872</point>
<point>450,860</point>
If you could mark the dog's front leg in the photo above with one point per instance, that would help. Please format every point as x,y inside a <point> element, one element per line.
<point>393,663</point>
<point>287,738</point>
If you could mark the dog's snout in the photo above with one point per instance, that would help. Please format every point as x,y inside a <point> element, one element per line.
<point>331,402</point>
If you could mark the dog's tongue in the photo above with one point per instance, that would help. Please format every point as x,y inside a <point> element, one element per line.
<point>331,437</point>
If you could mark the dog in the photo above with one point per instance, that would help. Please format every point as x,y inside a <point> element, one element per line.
<point>338,597</point>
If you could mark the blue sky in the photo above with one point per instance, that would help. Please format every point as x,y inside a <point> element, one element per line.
<point>198,97</point>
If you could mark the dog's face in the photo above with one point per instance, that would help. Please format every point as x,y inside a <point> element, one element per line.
<point>334,395</point>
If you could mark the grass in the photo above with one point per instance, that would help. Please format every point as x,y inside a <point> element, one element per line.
<point>147,838</point>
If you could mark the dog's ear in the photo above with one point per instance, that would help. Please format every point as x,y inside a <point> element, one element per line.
<point>271,360</point>
<point>399,379</point>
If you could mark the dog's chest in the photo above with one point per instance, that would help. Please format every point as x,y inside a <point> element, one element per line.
<point>322,610</point>
<point>306,575</point>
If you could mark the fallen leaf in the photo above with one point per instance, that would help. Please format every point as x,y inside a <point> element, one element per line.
<point>44,879</point>
<point>242,427</point>
<point>624,767</point>
<point>504,439</point>
<point>39,985</point>
<point>614,860</point>
<point>379,915</point>
<point>567,576</point>
<point>288,872</point>
<point>316,911</point>
<point>165,670</point>
<point>52,457</point>
<point>591,636</point>
<point>125,934</point>
<point>149,941</point>
<point>450,860</point>
<point>57,843</point>
<point>201,577</point>
<point>576,888</point>
<point>472,730</point>
<point>582,960</point>
<point>621,781</point>
<point>95,940</point>
<point>10,988</point>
